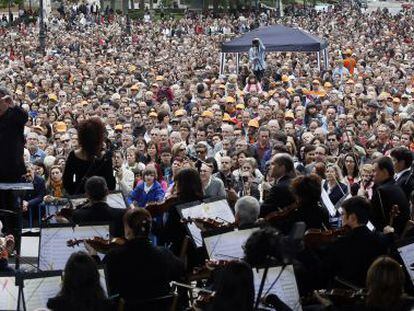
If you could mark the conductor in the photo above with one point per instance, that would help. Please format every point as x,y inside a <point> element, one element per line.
<point>12,167</point>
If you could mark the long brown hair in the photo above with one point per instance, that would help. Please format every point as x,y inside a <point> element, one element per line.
<point>188,185</point>
<point>91,134</point>
<point>385,283</point>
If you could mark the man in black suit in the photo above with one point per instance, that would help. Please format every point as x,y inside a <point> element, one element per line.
<point>403,159</point>
<point>349,257</point>
<point>280,196</point>
<point>12,121</point>
<point>139,271</point>
<point>97,210</point>
<point>386,196</point>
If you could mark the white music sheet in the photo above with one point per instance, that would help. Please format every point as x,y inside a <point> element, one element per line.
<point>38,291</point>
<point>102,279</point>
<point>116,200</point>
<point>54,251</point>
<point>9,293</point>
<point>228,245</point>
<point>285,288</point>
<point>328,203</point>
<point>217,210</point>
<point>29,246</point>
<point>407,255</point>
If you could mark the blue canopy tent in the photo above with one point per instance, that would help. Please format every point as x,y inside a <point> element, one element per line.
<point>276,38</point>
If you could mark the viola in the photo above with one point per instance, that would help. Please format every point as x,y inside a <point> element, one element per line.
<point>315,238</point>
<point>101,245</point>
<point>159,208</point>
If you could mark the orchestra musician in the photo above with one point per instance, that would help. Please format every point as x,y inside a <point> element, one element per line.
<point>188,189</point>
<point>350,256</point>
<point>233,288</point>
<point>97,210</point>
<point>247,211</point>
<point>88,160</point>
<point>403,159</point>
<point>139,271</point>
<point>386,195</point>
<point>81,288</point>
<point>384,290</point>
<point>280,195</point>
<point>307,207</point>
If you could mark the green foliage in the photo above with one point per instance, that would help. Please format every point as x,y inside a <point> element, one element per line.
<point>5,3</point>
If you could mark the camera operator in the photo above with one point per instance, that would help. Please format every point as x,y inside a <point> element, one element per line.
<point>257,58</point>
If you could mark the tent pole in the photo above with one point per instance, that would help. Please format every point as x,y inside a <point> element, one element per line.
<point>326,58</point>
<point>222,63</point>
<point>319,60</point>
<point>237,63</point>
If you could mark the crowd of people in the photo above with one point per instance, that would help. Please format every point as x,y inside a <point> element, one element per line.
<point>149,114</point>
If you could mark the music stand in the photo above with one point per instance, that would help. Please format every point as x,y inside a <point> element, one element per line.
<point>21,277</point>
<point>17,189</point>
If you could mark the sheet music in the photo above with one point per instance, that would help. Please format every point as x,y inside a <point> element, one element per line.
<point>37,291</point>
<point>29,246</point>
<point>102,279</point>
<point>116,200</point>
<point>407,255</point>
<point>9,293</point>
<point>54,251</point>
<point>327,203</point>
<point>219,210</point>
<point>228,245</point>
<point>285,288</point>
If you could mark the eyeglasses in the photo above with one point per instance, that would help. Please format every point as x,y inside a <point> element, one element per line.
<point>66,141</point>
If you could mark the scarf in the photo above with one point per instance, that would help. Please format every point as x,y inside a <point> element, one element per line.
<point>57,188</point>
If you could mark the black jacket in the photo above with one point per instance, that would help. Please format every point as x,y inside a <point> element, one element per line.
<point>101,212</point>
<point>139,271</point>
<point>279,196</point>
<point>350,256</point>
<point>61,303</point>
<point>406,182</point>
<point>76,169</point>
<point>384,197</point>
<point>12,143</point>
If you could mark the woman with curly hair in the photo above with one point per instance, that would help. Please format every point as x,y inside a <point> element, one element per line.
<point>89,159</point>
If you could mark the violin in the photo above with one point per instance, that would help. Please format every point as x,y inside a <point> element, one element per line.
<point>315,238</point>
<point>338,296</point>
<point>203,272</point>
<point>65,214</point>
<point>101,245</point>
<point>6,246</point>
<point>281,214</point>
<point>159,208</point>
<point>206,224</point>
